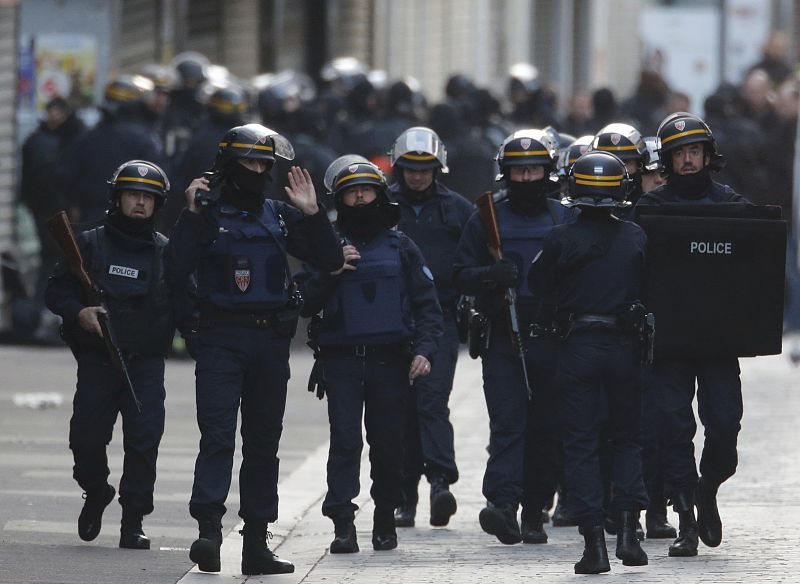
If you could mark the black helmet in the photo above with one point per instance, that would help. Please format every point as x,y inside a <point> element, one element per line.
<point>283,92</point>
<point>523,78</point>
<point>527,147</point>
<point>252,141</point>
<point>229,103</point>
<point>126,93</point>
<point>351,170</point>
<point>139,175</point>
<point>623,140</point>
<point>598,179</point>
<point>681,128</point>
<point>419,148</point>
<point>191,68</point>
<point>567,156</point>
<point>162,76</point>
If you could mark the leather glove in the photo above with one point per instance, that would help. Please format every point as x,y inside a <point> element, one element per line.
<point>504,273</point>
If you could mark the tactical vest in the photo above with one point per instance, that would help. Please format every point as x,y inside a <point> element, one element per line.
<point>522,235</point>
<point>370,305</point>
<point>245,268</point>
<point>134,291</point>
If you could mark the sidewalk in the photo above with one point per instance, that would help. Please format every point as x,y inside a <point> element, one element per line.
<point>763,495</point>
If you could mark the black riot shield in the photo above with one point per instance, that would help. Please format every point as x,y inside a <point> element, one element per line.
<point>715,279</point>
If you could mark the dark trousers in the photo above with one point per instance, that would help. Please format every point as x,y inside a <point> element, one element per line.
<point>375,387</point>
<point>248,369</point>
<point>542,463</point>
<point>100,396</point>
<point>652,458</point>
<point>600,385</point>
<point>430,446</point>
<point>719,405</point>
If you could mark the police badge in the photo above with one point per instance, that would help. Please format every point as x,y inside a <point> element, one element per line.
<point>680,125</point>
<point>525,143</point>
<point>241,273</point>
<point>142,170</point>
<point>615,138</point>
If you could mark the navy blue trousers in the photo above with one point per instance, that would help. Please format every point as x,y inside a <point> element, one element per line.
<point>375,388</point>
<point>100,396</point>
<point>719,406</point>
<point>430,446</point>
<point>600,386</point>
<point>245,369</point>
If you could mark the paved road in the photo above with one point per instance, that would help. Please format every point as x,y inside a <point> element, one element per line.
<point>38,501</point>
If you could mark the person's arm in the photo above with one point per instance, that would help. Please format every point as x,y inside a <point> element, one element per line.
<point>542,280</point>
<point>474,270</point>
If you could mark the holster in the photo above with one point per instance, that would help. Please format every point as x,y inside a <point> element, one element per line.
<point>316,379</point>
<point>464,309</point>
<point>479,331</point>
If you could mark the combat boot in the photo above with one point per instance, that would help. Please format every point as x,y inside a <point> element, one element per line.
<point>709,523</point>
<point>685,546</point>
<point>595,554</point>
<point>384,535</point>
<point>532,528</point>
<point>90,521</point>
<point>257,558</point>
<point>443,503</point>
<point>344,541</point>
<point>205,549</point>
<point>405,514</point>
<point>131,534</point>
<point>501,521</point>
<point>629,550</point>
<point>657,525</point>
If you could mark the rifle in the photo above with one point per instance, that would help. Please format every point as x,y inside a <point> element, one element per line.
<point>485,204</point>
<point>60,229</point>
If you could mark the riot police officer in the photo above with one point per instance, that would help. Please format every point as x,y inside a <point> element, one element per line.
<point>689,154</point>
<point>652,178</point>
<point>236,244</point>
<point>379,331</point>
<point>626,142</point>
<point>124,258</point>
<point>588,279</point>
<point>434,217</point>
<point>522,465</point>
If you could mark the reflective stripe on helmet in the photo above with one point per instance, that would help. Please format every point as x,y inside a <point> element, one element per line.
<point>248,146</point>
<point>682,134</point>
<point>358,175</point>
<point>419,156</point>
<point>140,180</point>
<point>526,153</point>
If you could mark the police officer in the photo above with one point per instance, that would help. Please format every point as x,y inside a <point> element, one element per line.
<point>236,245</point>
<point>588,277</point>
<point>626,142</point>
<point>379,330</point>
<point>124,258</point>
<point>688,154</point>
<point>652,177</point>
<point>434,217</point>
<point>522,465</point>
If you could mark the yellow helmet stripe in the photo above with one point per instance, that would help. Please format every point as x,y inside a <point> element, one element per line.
<point>140,180</point>
<point>593,183</point>
<point>248,146</point>
<point>593,177</point>
<point>419,156</point>
<point>617,148</point>
<point>526,153</point>
<point>682,134</point>
<point>358,175</point>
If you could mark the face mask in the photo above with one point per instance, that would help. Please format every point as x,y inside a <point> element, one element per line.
<point>691,186</point>
<point>245,187</point>
<point>134,227</point>
<point>361,221</point>
<point>530,197</point>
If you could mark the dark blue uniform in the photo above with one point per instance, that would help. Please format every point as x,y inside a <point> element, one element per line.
<point>672,390</point>
<point>374,320</point>
<point>242,345</point>
<point>435,225</point>
<point>522,464</point>
<point>130,272</point>
<point>589,272</point>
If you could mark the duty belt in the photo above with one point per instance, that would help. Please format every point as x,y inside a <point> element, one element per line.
<point>245,319</point>
<point>399,349</point>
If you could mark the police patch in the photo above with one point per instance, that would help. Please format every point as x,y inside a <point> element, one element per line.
<point>525,143</point>
<point>352,168</point>
<point>242,279</point>
<point>142,170</point>
<point>428,274</point>
<point>123,271</point>
<point>615,138</point>
<point>680,125</point>
<point>598,170</point>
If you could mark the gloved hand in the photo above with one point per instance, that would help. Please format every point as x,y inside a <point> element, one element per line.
<point>504,273</point>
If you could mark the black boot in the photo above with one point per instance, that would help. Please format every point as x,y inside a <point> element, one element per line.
<point>405,514</point>
<point>90,521</point>
<point>709,523</point>
<point>257,558</point>
<point>501,521</point>
<point>685,546</point>
<point>205,549</point>
<point>532,528</point>
<point>595,555</point>
<point>657,525</point>
<point>443,503</point>
<point>629,550</point>
<point>345,541</point>
<point>384,535</point>
<point>131,534</point>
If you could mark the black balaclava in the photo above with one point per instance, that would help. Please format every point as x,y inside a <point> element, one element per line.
<point>362,221</point>
<point>244,188</point>
<point>130,227</point>
<point>690,186</point>
<point>530,198</point>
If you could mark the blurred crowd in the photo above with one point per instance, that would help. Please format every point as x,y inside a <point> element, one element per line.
<point>175,114</point>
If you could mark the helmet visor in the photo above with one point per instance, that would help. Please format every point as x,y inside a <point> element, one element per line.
<point>420,147</point>
<point>339,164</point>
